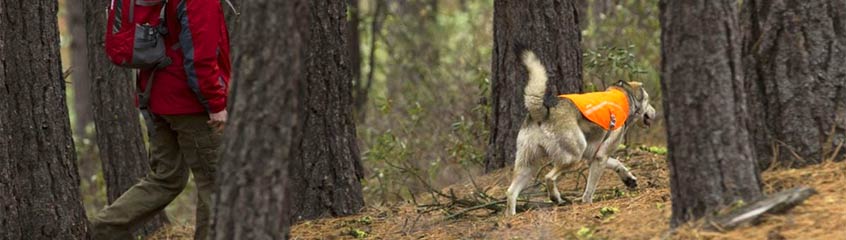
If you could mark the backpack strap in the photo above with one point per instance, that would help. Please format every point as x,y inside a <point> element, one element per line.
<point>145,96</point>
<point>162,13</point>
<point>144,104</point>
<point>163,19</point>
<point>146,3</point>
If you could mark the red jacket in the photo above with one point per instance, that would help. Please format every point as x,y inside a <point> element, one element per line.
<point>198,43</point>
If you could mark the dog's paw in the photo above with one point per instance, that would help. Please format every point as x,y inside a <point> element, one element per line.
<point>560,200</point>
<point>631,183</point>
<point>555,199</point>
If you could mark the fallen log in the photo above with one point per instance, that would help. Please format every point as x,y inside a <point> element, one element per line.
<point>774,204</point>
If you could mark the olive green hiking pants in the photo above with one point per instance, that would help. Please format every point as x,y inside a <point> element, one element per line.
<point>179,143</point>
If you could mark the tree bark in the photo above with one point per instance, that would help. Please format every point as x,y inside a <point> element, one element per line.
<point>710,158</point>
<point>80,74</point>
<point>551,29</point>
<point>795,66</point>
<point>39,183</point>
<point>264,129</point>
<point>325,174</point>
<point>123,153</point>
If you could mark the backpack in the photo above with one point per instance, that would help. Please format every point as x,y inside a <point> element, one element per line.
<point>135,32</point>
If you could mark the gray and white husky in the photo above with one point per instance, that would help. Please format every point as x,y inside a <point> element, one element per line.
<point>557,131</point>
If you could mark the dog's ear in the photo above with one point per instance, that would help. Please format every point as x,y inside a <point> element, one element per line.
<point>636,84</point>
<point>637,87</point>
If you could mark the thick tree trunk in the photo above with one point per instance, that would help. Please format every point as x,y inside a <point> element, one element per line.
<point>551,29</point>
<point>710,157</point>
<point>795,66</point>
<point>264,127</point>
<point>39,183</point>
<point>326,172</point>
<point>119,138</point>
<point>79,64</point>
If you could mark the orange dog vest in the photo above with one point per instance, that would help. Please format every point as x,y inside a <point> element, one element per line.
<point>603,108</point>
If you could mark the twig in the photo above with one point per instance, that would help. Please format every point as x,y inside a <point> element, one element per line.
<point>493,206</point>
<point>66,74</point>
<point>466,210</point>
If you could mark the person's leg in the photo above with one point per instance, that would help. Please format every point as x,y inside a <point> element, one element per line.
<point>166,179</point>
<point>199,144</point>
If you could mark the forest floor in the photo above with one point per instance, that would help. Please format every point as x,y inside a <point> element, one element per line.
<point>616,213</point>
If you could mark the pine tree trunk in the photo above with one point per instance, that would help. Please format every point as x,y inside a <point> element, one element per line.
<point>39,183</point>
<point>265,121</point>
<point>326,173</point>
<point>551,29</point>
<point>79,65</point>
<point>795,66</point>
<point>123,153</point>
<point>710,157</point>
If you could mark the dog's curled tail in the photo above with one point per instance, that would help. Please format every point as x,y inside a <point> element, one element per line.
<point>536,87</point>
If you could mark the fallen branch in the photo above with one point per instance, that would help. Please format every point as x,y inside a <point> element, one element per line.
<point>496,203</point>
<point>773,204</point>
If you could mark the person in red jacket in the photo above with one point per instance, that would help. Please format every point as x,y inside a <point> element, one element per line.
<point>188,104</point>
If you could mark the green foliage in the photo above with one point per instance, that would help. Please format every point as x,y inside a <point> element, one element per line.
<point>618,193</point>
<point>426,122</point>
<point>606,65</point>
<point>626,35</point>
<point>354,227</point>
<point>366,220</point>
<point>357,233</point>
<point>655,149</point>
<point>605,212</point>
<point>738,204</point>
<point>585,233</point>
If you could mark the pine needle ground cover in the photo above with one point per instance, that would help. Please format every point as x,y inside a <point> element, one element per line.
<point>617,213</point>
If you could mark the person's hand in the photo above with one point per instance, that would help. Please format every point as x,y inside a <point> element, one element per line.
<point>217,120</point>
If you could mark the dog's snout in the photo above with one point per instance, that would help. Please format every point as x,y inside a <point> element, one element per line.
<point>648,116</point>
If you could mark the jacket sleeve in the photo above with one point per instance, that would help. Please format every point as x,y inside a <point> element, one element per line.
<point>199,40</point>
